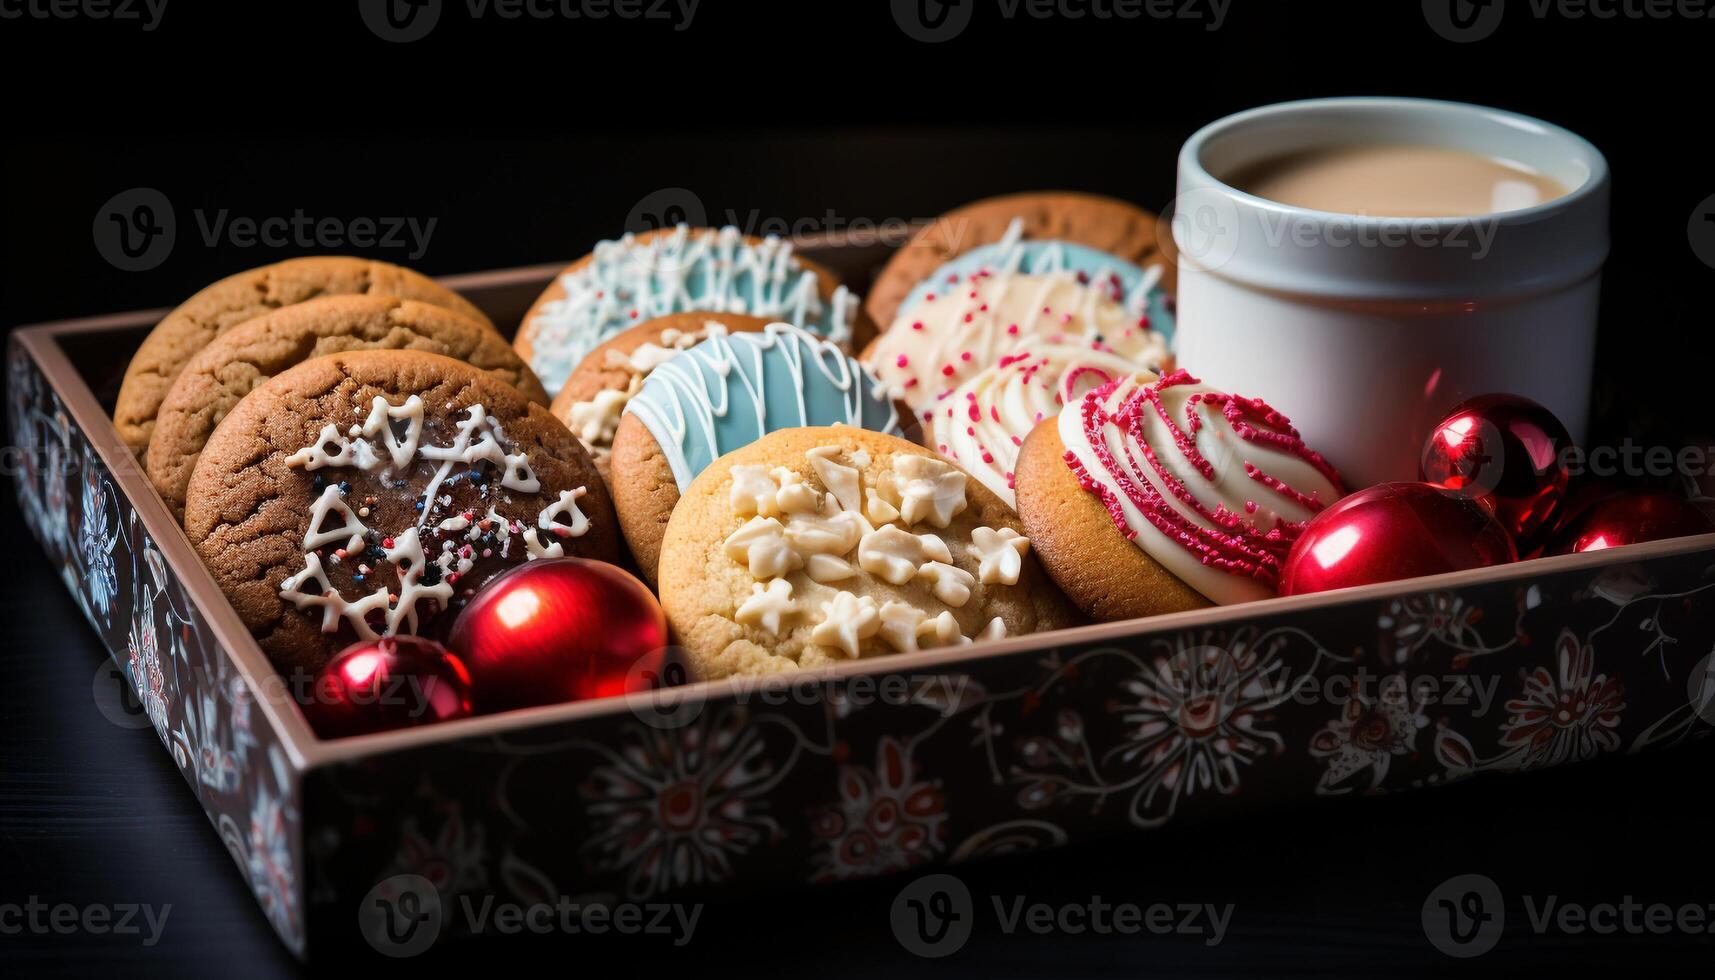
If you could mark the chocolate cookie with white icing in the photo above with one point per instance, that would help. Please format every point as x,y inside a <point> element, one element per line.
<point>370,493</point>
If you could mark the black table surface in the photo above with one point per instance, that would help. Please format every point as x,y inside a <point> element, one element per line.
<point>92,813</point>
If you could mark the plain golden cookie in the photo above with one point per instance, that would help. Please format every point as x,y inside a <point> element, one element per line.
<point>1120,229</point>
<point>371,492</point>
<point>235,299</point>
<point>812,547</point>
<point>237,361</point>
<point>1074,537</point>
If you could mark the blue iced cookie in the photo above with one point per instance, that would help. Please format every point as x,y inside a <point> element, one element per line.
<point>640,277</point>
<point>727,392</point>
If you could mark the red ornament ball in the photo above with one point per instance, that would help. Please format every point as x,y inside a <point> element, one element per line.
<point>1630,518</point>
<point>1393,531</point>
<point>381,685</point>
<point>1507,451</point>
<point>559,629</point>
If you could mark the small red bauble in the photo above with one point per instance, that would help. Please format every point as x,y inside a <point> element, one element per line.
<point>1393,531</point>
<point>559,629</point>
<point>1630,518</point>
<point>393,682</point>
<point>1507,451</point>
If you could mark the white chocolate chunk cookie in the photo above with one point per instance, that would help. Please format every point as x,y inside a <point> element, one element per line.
<point>815,546</point>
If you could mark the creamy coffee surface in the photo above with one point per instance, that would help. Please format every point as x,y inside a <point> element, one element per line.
<point>1396,180</point>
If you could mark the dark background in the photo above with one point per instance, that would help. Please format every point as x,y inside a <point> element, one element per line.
<point>529,140</point>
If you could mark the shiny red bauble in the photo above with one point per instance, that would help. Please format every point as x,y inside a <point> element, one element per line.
<point>1630,518</point>
<point>559,629</point>
<point>1394,531</point>
<point>381,685</point>
<point>1508,451</point>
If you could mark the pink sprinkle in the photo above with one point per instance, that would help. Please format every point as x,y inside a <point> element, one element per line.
<point>947,370</point>
<point>903,360</point>
<point>911,382</point>
<point>929,297</point>
<point>1012,329</point>
<point>918,325</point>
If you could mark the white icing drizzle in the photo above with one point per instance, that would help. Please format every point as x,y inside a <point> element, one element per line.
<point>982,423</point>
<point>596,421</point>
<point>478,438</point>
<point>632,280</point>
<point>686,410</point>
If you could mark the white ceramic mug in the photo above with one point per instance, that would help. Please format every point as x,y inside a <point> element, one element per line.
<point>1365,330</point>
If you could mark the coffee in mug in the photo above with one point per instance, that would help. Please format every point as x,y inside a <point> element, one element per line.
<point>1398,180</point>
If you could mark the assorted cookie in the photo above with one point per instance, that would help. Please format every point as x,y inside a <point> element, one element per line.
<point>355,451</point>
<point>1150,496</point>
<point>721,395</point>
<point>1105,224</point>
<point>1007,333</point>
<point>234,363</point>
<point>673,270</point>
<point>367,493</point>
<point>815,546</point>
<point>598,389</point>
<point>235,299</point>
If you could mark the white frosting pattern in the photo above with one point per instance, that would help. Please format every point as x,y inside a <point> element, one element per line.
<point>596,420</point>
<point>836,556</point>
<point>378,446</point>
<point>632,280</point>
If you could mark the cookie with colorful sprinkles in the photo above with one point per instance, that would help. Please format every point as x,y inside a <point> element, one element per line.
<point>1107,225</point>
<point>674,270</point>
<point>1150,496</point>
<point>370,493</point>
<point>720,395</point>
<point>817,546</point>
<point>1008,333</point>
